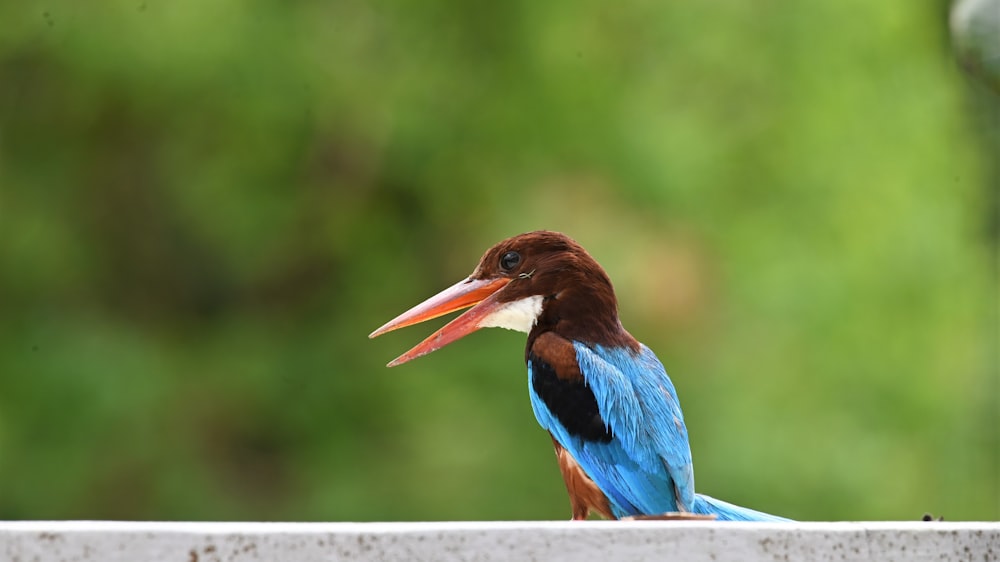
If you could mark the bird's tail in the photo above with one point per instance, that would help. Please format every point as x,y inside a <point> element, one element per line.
<point>723,511</point>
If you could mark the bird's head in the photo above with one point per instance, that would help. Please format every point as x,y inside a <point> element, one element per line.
<point>535,281</point>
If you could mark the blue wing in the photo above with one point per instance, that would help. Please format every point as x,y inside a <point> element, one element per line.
<point>646,467</point>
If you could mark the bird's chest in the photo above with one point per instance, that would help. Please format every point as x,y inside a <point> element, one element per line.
<point>568,398</point>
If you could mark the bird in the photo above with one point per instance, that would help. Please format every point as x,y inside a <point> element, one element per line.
<point>605,398</point>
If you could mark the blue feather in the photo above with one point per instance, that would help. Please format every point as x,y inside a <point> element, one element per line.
<point>646,468</point>
<point>725,511</point>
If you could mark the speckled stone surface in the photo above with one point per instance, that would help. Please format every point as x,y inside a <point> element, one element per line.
<point>83,541</point>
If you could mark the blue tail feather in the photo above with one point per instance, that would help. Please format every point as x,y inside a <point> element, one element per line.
<point>723,511</point>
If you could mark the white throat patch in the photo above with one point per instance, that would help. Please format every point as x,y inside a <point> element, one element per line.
<point>519,315</point>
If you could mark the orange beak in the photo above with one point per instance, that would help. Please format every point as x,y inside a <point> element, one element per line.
<point>480,294</point>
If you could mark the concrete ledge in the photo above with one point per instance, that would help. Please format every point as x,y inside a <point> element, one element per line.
<point>83,541</point>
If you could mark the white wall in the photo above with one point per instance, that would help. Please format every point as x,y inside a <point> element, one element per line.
<point>83,541</point>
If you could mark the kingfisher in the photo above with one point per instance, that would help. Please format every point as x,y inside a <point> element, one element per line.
<point>604,398</point>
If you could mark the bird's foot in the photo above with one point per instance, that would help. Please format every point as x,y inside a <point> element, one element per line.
<point>672,516</point>
<point>929,517</point>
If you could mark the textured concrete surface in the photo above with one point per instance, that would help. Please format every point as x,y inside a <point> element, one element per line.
<point>83,541</point>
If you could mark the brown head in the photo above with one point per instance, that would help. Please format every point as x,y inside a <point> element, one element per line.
<point>534,282</point>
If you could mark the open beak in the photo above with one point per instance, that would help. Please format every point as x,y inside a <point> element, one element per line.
<point>477,293</point>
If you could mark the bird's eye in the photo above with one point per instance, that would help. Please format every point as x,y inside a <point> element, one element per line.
<point>509,261</point>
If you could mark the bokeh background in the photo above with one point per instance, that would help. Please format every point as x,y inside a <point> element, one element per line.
<point>206,206</point>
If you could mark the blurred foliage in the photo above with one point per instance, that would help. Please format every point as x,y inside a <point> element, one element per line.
<point>206,206</point>
<point>975,30</point>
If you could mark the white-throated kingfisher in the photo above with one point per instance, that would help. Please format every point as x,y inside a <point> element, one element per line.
<point>604,398</point>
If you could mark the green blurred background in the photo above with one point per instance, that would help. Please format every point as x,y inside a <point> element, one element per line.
<point>206,206</point>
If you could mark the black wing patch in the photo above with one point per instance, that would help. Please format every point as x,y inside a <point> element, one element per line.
<point>570,400</point>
